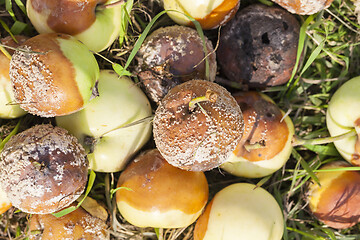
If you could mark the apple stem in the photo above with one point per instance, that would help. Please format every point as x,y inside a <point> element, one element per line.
<point>5,52</point>
<point>209,96</point>
<point>111,5</point>
<point>296,141</point>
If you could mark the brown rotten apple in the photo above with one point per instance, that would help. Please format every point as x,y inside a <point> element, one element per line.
<point>156,194</point>
<point>43,169</point>
<point>53,74</point>
<point>258,46</point>
<point>304,7</point>
<point>335,201</point>
<point>173,55</point>
<point>197,125</point>
<point>96,23</point>
<point>78,224</point>
<point>266,143</point>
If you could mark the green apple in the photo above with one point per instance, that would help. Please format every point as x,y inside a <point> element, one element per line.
<point>342,116</point>
<point>266,143</point>
<point>120,102</point>
<point>241,211</point>
<point>209,13</point>
<point>96,25</point>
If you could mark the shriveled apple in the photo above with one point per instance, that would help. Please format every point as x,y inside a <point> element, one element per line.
<point>99,126</point>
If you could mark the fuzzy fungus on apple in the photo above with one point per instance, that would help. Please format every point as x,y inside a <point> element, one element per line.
<point>8,110</point>
<point>258,47</point>
<point>209,13</point>
<point>336,201</point>
<point>266,143</point>
<point>53,74</point>
<point>43,169</point>
<point>99,125</point>
<point>304,7</point>
<point>173,55</point>
<point>343,116</point>
<point>78,224</point>
<point>96,23</point>
<point>241,211</point>
<point>197,125</point>
<point>157,194</point>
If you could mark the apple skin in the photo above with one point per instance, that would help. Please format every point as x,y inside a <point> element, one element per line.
<point>5,203</point>
<point>8,111</point>
<point>96,28</point>
<point>342,116</point>
<point>277,137</point>
<point>241,211</point>
<point>57,82</point>
<point>120,102</point>
<point>304,7</point>
<point>210,14</point>
<point>335,201</point>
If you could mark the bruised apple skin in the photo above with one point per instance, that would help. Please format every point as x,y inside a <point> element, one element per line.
<point>266,143</point>
<point>157,194</point>
<point>8,110</point>
<point>98,125</point>
<point>336,201</point>
<point>258,47</point>
<point>43,169</point>
<point>201,137</point>
<point>304,7</point>
<point>78,224</point>
<point>91,22</point>
<point>342,116</point>
<point>209,13</point>
<point>241,211</point>
<point>173,55</point>
<point>53,74</point>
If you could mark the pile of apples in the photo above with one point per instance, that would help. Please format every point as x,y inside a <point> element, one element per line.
<point>162,133</point>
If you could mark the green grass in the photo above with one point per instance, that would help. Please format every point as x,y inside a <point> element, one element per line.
<point>329,42</point>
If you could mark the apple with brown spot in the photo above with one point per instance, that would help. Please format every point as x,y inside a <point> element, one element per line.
<point>266,144</point>
<point>154,193</point>
<point>53,74</point>
<point>210,14</point>
<point>96,23</point>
